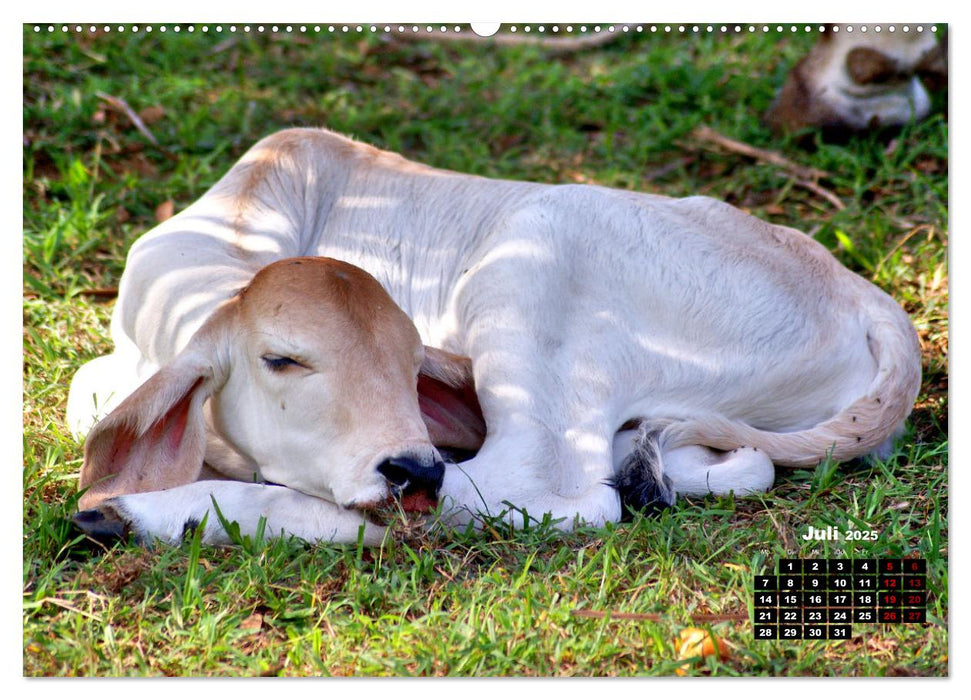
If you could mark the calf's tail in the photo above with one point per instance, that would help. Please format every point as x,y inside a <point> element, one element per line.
<point>863,427</point>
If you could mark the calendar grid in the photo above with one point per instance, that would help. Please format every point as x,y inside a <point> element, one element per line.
<point>824,598</point>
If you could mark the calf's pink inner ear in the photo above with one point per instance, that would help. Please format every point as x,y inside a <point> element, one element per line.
<point>167,433</point>
<point>121,458</point>
<point>448,402</point>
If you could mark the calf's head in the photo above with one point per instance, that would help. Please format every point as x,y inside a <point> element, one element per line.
<point>312,376</point>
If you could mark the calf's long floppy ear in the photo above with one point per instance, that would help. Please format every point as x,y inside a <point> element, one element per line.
<point>449,406</point>
<point>156,438</point>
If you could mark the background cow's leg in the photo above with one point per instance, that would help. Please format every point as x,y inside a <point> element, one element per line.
<point>167,515</point>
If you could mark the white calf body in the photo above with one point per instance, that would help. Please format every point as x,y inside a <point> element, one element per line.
<point>584,310</point>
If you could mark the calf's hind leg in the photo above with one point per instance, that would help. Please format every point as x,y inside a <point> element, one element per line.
<point>638,473</point>
<point>696,470</point>
<point>649,477</point>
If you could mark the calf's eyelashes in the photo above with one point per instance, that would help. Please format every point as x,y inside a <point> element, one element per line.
<point>280,363</point>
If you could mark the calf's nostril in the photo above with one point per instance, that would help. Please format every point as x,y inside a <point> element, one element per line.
<point>409,475</point>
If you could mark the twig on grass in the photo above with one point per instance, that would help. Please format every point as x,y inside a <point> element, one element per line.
<point>101,292</point>
<point>805,177</point>
<point>706,133</point>
<point>66,605</point>
<point>104,293</point>
<point>923,228</point>
<point>656,617</point>
<point>822,192</point>
<point>119,105</point>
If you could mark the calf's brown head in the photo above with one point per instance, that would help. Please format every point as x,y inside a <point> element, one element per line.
<point>312,376</point>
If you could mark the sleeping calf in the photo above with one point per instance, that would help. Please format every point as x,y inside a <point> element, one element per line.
<point>308,378</point>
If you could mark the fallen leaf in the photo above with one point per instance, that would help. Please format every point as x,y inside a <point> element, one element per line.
<point>694,643</point>
<point>253,622</point>
<point>150,115</point>
<point>164,211</point>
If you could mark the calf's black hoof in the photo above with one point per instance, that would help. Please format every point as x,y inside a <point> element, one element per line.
<point>647,497</point>
<point>102,525</point>
<point>640,480</point>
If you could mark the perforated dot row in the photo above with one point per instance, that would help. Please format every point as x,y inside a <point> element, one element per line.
<point>429,29</point>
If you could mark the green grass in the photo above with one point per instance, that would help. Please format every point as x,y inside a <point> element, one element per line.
<point>495,602</point>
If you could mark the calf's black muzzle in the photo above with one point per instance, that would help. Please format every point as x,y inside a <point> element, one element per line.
<point>408,476</point>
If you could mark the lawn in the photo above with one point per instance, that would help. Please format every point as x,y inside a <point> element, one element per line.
<point>123,127</point>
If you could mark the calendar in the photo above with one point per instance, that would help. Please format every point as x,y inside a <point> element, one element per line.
<point>824,598</point>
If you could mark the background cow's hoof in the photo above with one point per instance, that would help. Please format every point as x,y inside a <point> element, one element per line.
<point>102,524</point>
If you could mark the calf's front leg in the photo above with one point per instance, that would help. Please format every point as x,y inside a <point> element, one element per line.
<point>167,515</point>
